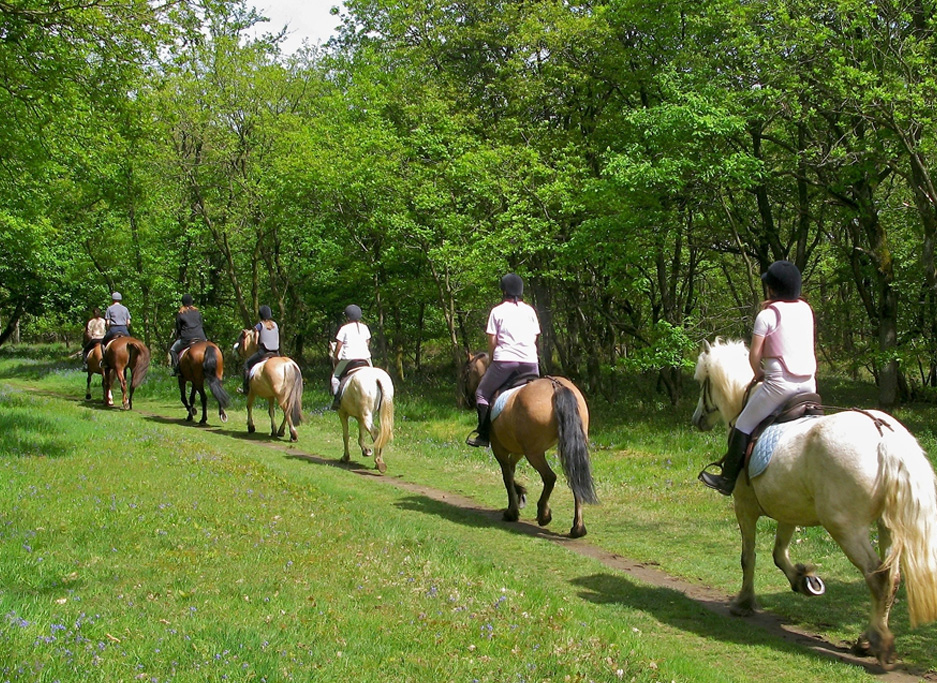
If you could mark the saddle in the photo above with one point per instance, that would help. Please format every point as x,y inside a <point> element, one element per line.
<point>347,372</point>
<point>798,406</point>
<point>499,398</point>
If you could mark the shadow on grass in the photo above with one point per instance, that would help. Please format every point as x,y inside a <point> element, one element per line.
<point>709,618</point>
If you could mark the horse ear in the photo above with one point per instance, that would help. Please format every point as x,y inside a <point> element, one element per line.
<point>706,346</point>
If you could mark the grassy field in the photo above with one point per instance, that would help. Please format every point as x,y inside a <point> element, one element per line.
<point>134,546</point>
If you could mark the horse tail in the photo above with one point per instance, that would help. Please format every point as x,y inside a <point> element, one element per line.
<point>386,433</point>
<point>142,365</point>
<point>210,372</point>
<point>294,396</point>
<point>911,516</point>
<point>572,444</point>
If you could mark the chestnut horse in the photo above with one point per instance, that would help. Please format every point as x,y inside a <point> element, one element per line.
<point>844,472</point>
<point>122,355</point>
<point>546,412</point>
<point>277,379</point>
<point>202,363</point>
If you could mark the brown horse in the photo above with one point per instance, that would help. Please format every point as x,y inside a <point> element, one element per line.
<point>277,379</point>
<point>546,412</point>
<point>124,354</point>
<point>93,361</point>
<point>202,363</point>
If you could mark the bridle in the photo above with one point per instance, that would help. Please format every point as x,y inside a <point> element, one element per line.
<point>709,406</point>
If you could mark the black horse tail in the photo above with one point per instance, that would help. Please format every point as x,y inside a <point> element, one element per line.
<point>142,366</point>
<point>210,372</point>
<point>294,397</point>
<point>572,445</point>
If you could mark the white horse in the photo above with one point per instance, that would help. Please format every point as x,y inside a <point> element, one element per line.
<point>369,392</point>
<point>845,472</point>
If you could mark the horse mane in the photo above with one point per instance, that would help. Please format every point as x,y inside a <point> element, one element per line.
<point>726,364</point>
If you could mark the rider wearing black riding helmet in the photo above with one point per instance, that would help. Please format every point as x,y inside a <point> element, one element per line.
<point>268,343</point>
<point>188,330</point>
<point>512,332</point>
<point>352,343</point>
<point>782,354</point>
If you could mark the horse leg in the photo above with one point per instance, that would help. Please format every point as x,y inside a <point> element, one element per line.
<point>204,397</point>
<point>508,464</point>
<point>877,639</point>
<point>88,388</point>
<point>125,400</point>
<point>272,412</point>
<point>185,403</point>
<point>884,543</point>
<point>250,412</point>
<point>346,456</point>
<point>802,577</point>
<point>539,462</point>
<point>744,603</point>
<point>365,426</point>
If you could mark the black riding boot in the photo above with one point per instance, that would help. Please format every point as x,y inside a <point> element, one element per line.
<point>174,362</point>
<point>483,429</point>
<point>732,464</point>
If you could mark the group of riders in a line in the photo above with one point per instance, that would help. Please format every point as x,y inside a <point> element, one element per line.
<point>781,354</point>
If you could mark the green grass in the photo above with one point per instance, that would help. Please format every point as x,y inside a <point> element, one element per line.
<point>136,547</point>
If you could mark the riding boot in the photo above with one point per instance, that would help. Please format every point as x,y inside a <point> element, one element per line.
<point>732,464</point>
<point>483,430</point>
<point>174,361</point>
<point>336,401</point>
<point>246,385</point>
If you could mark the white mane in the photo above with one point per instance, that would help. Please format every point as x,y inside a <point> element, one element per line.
<point>726,365</point>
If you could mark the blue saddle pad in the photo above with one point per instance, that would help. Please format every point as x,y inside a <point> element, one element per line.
<point>502,400</point>
<point>770,438</point>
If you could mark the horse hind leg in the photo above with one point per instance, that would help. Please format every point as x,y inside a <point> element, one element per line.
<point>343,416</point>
<point>272,412</point>
<point>204,397</point>
<point>508,465</point>
<point>802,577</point>
<point>366,426</point>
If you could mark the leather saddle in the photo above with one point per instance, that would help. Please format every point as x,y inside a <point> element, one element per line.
<point>796,407</point>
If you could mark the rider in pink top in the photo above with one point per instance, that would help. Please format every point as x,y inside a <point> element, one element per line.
<point>512,331</point>
<point>782,354</point>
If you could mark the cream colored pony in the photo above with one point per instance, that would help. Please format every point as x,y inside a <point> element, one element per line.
<point>846,472</point>
<point>369,393</point>
<point>276,379</point>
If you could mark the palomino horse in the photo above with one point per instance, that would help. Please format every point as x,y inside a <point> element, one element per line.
<point>202,363</point>
<point>369,392</point>
<point>546,412</point>
<point>276,379</point>
<point>845,472</point>
<point>124,354</point>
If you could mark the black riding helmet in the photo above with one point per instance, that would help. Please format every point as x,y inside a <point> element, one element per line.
<point>353,313</point>
<point>187,300</point>
<point>265,313</point>
<point>784,279</point>
<point>512,285</point>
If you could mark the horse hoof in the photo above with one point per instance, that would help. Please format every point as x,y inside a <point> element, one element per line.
<point>381,467</point>
<point>203,423</point>
<point>741,609</point>
<point>188,418</point>
<point>543,520</point>
<point>365,452</point>
<point>345,458</point>
<point>223,417</point>
<point>293,438</point>
<point>87,397</point>
<point>577,532</point>
<point>813,586</point>
<point>509,516</point>
<point>251,429</point>
<point>522,501</point>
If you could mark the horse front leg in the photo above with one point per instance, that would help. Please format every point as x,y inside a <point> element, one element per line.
<point>366,426</point>
<point>272,412</point>
<point>744,604</point>
<point>508,465</point>
<point>250,412</point>
<point>802,577</point>
<point>186,403</point>
<point>539,463</point>
<point>88,388</point>
<point>204,397</point>
<point>343,416</point>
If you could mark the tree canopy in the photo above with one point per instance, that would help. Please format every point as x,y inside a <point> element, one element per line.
<point>638,165</point>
